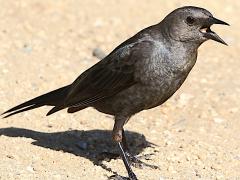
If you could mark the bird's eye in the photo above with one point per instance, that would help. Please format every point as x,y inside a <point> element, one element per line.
<point>190,20</point>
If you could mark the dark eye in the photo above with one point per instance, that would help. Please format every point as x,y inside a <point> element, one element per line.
<point>190,20</point>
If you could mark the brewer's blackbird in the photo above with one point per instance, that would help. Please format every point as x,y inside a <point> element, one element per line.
<point>141,73</point>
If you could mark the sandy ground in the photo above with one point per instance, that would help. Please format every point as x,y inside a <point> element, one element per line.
<point>47,44</point>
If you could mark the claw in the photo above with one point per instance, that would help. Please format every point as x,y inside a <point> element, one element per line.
<point>138,163</point>
<point>117,177</point>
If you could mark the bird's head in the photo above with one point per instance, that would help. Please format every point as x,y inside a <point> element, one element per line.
<point>191,24</point>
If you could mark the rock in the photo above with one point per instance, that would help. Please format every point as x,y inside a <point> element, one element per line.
<point>98,53</point>
<point>27,48</point>
<point>218,120</point>
<point>197,173</point>
<point>10,157</point>
<point>237,157</point>
<point>219,177</point>
<point>188,158</point>
<point>30,169</point>
<point>98,23</point>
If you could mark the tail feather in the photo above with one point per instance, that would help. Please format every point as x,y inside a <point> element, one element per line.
<point>22,110</point>
<point>53,98</point>
<point>55,109</point>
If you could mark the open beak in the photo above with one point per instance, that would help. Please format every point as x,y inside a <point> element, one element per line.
<point>209,34</point>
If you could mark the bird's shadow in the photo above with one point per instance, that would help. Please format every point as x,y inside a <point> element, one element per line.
<point>87,144</point>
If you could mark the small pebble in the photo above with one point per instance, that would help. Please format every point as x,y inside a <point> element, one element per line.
<point>30,169</point>
<point>197,173</point>
<point>98,53</point>
<point>10,156</point>
<point>218,120</point>
<point>27,48</point>
<point>237,157</point>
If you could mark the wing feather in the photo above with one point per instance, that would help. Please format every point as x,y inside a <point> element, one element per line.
<point>106,78</point>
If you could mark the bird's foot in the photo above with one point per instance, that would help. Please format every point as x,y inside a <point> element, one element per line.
<point>137,163</point>
<point>107,156</point>
<point>146,156</point>
<point>118,177</point>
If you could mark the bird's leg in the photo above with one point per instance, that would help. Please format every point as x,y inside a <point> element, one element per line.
<point>124,141</point>
<point>118,137</point>
<point>131,174</point>
<point>107,156</point>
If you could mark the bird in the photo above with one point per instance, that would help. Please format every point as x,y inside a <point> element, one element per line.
<point>141,73</point>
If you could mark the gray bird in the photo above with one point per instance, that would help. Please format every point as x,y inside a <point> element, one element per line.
<point>139,74</point>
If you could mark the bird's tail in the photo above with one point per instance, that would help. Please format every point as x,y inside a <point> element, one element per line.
<point>53,98</point>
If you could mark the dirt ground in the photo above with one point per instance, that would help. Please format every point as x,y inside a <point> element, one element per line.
<point>47,44</point>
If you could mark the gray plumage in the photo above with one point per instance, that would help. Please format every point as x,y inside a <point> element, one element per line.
<point>141,73</point>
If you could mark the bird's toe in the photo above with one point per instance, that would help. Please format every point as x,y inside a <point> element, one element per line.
<point>137,163</point>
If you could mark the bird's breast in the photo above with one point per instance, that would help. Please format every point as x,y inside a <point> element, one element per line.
<point>163,78</point>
